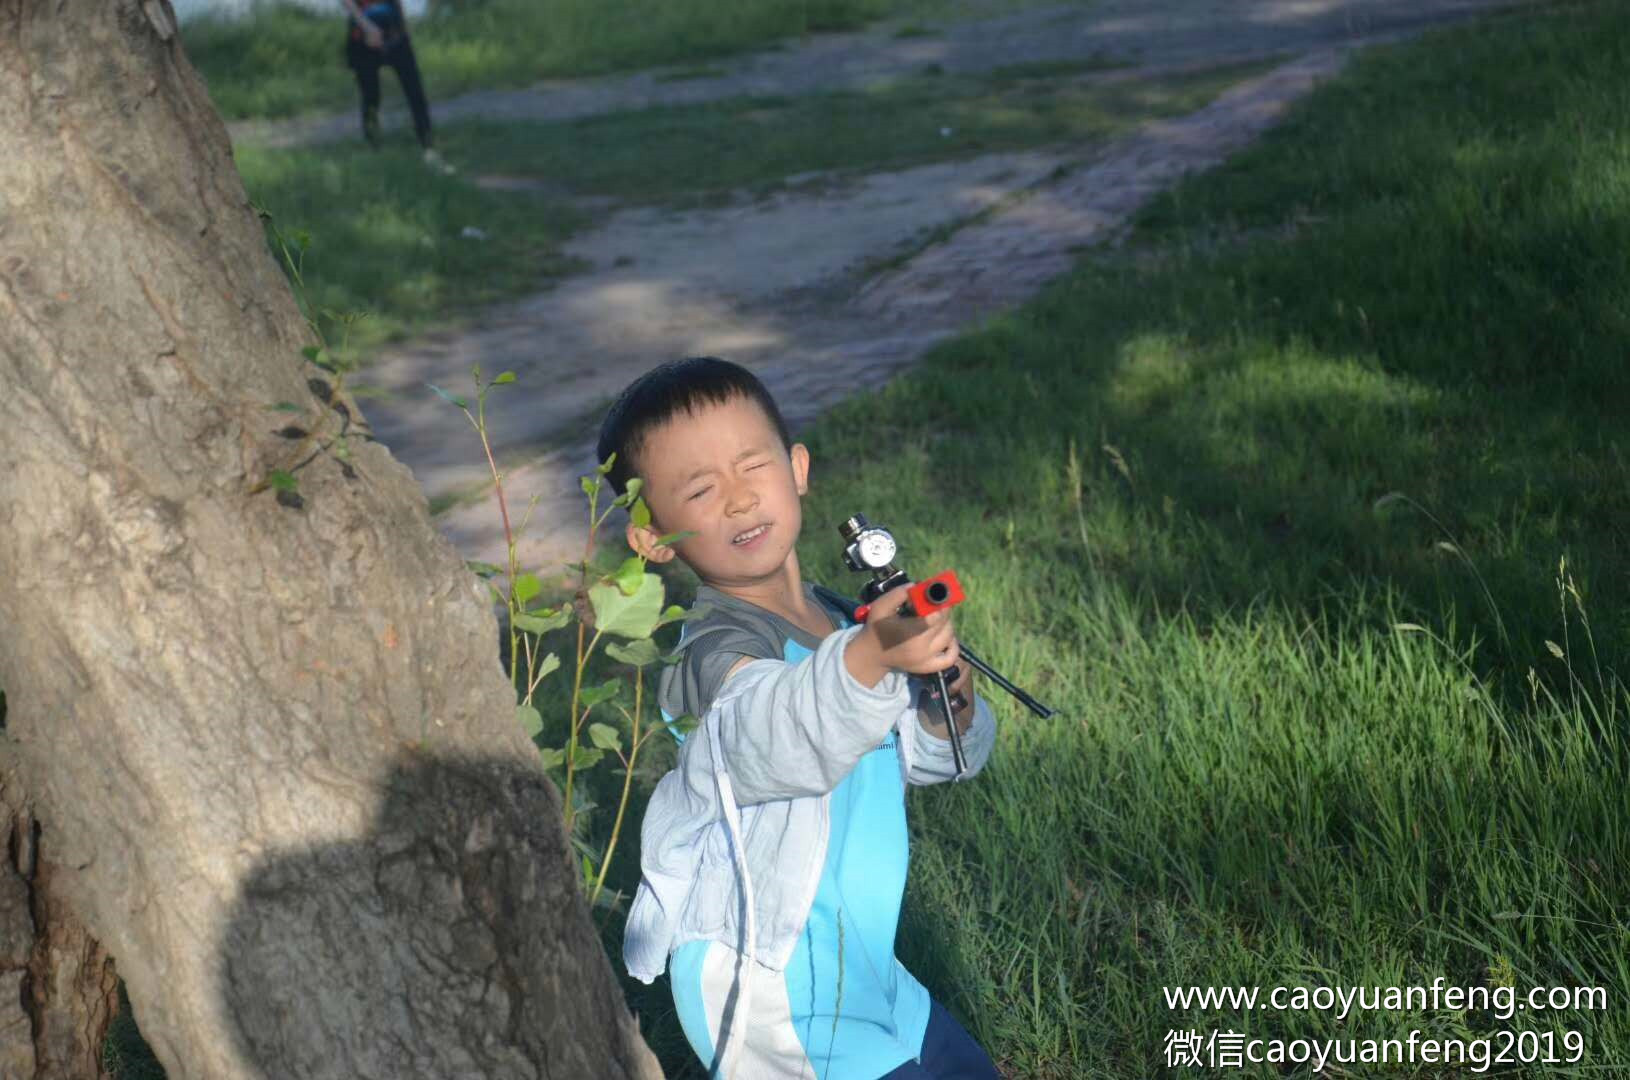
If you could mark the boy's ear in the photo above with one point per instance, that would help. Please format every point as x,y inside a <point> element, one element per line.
<point>800,467</point>
<point>643,539</point>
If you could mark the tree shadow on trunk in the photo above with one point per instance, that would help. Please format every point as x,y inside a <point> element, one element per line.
<point>451,941</point>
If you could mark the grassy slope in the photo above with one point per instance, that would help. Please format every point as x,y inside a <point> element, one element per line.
<point>1254,777</point>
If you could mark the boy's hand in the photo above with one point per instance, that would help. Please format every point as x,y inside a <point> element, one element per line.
<point>915,645</point>
<point>961,687</point>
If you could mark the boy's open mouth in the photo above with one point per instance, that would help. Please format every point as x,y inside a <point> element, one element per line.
<point>751,536</point>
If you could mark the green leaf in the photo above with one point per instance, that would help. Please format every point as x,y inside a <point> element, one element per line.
<point>506,377</point>
<point>553,757</point>
<point>605,466</point>
<point>548,663</point>
<point>311,352</point>
<point>445,396</point>
<point>629,575</point>
<point>684,724</point>
<point>531,720</point>
<point>639,653</point>
<point>526,587</point>
<point>481,569</point>
<point>594,695</point>
<point>590,484</point>
<point>605,737</point>
<point>675,613</point>
<point>284,481</point>
<point>625,615</point>
<point>674,537</point>
<point>536,622</point>
<point>585,758</point>
<point>640,515</point>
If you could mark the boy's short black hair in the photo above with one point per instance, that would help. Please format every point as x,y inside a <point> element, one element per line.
<point>663,393</point>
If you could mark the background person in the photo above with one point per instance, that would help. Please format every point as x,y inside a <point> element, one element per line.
<point>379,37</point>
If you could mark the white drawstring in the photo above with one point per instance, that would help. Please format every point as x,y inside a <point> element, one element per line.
<point>732,822</point>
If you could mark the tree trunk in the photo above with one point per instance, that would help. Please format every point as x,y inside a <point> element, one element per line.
<point>58,989</point>
<point>273,755</point>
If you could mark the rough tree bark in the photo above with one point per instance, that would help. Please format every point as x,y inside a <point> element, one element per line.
<point>271,751</point>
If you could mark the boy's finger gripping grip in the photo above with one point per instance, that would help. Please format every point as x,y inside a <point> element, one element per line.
<point>925,597</point>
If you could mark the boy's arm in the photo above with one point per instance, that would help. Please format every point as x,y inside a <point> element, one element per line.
<point>784,731</point>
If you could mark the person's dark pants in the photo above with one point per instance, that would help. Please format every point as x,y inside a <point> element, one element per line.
<point>949,1053</point>
<point>398,55</point>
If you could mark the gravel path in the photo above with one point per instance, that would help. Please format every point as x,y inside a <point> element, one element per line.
<point>787,286</point>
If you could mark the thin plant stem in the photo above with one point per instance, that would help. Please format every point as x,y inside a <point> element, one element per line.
<point>577,689</point>
<point>577,721</point>
<point>480,423</point>
<point>582,656</point>
<point>628,781</point>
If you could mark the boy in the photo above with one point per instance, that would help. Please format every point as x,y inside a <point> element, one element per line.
<point>774,853</point>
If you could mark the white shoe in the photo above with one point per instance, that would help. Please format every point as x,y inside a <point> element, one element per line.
<point>439,163</point>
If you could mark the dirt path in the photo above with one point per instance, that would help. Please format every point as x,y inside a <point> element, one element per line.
<point>786,285</point>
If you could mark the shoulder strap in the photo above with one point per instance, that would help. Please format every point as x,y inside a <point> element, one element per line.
<point>836,601</point>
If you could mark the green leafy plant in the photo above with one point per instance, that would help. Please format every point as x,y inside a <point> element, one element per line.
<point>619,610</point>
<point>316,434</point>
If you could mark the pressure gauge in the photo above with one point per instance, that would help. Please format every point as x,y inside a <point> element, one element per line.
<point>867,546</point>
<point>876,548</point>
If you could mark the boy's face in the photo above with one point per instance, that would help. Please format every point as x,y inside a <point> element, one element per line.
<point>723,474</point>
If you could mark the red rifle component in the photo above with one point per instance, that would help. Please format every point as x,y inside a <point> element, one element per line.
<point>926,597</point>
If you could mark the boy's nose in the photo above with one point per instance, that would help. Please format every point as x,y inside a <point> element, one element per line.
<point>742,497</point>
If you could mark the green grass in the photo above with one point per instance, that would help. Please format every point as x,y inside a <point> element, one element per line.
<point>284,61</point>
<point>1255,776</point>
<point>386,237</point>
<point>387,234</point>
<point>699,151</point>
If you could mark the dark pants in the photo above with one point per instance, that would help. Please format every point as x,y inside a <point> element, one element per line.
<point>949,1053</point>
<point>397,54</point>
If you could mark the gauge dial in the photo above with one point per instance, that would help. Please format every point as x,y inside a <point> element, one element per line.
<point>877,548</point>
